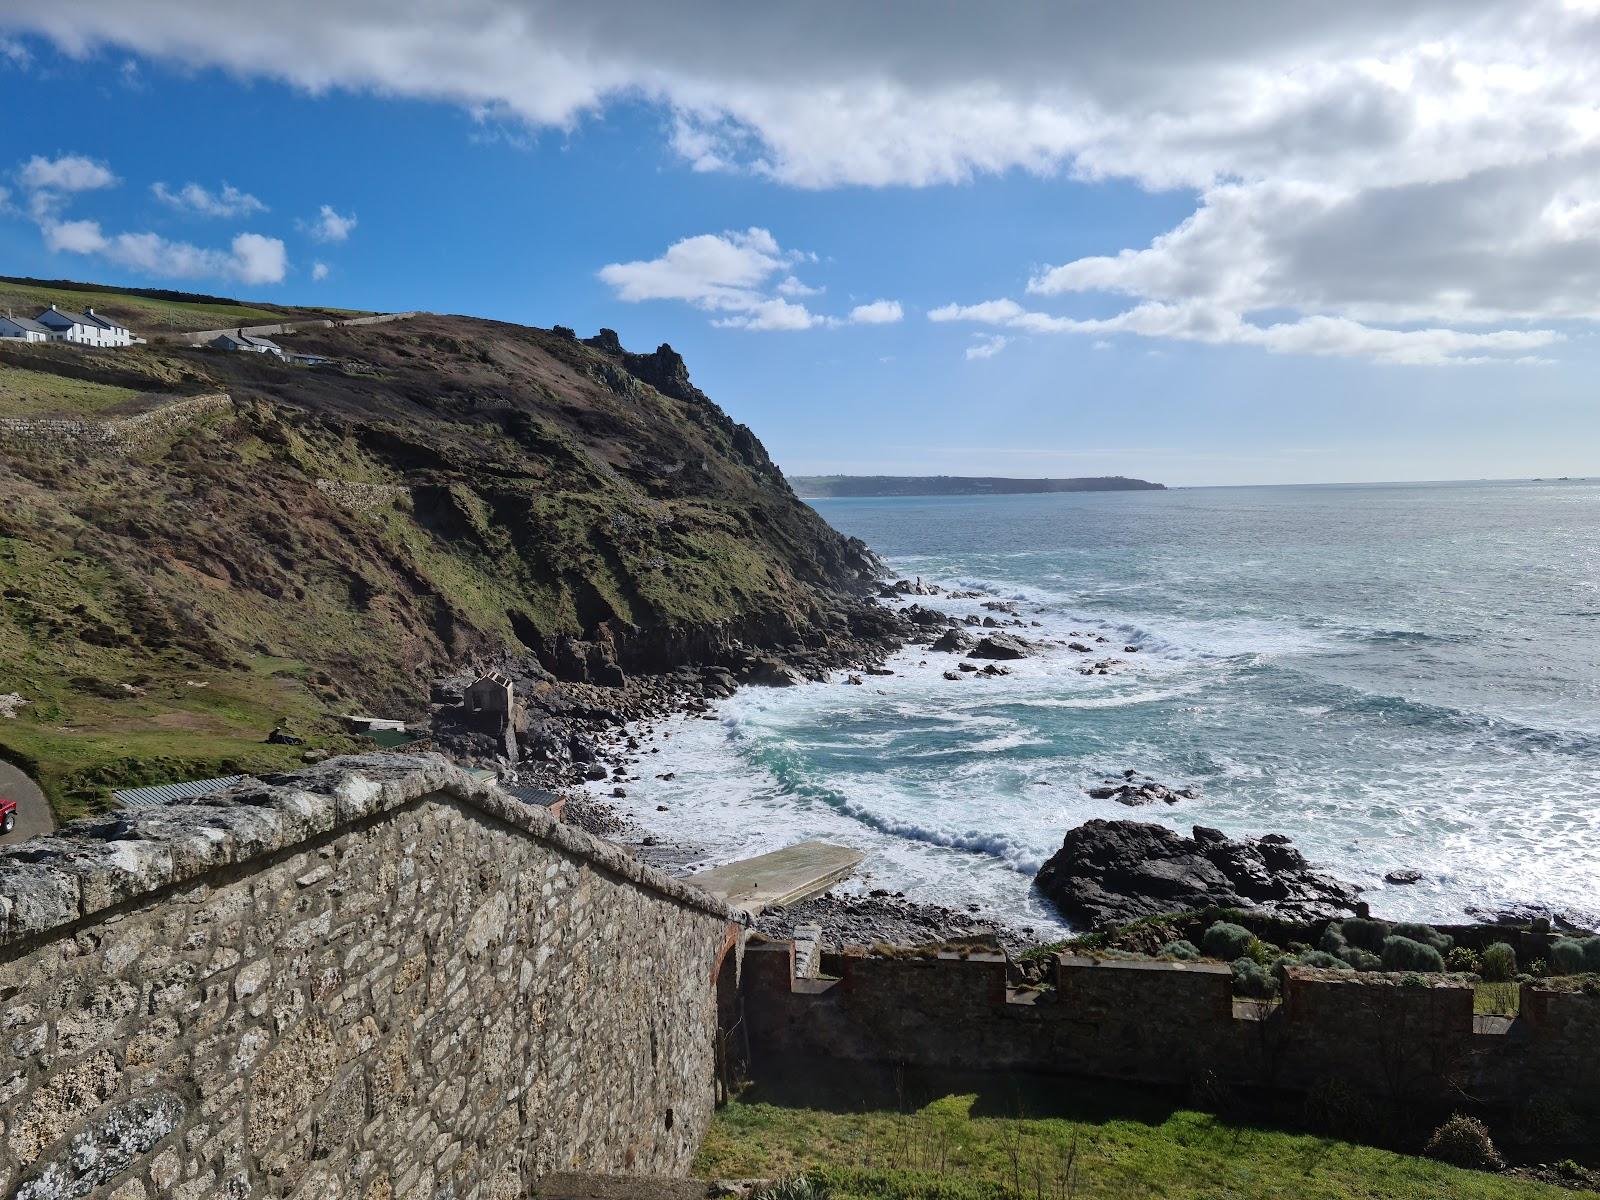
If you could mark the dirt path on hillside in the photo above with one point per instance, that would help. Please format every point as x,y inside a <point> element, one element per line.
<point>33,813</point>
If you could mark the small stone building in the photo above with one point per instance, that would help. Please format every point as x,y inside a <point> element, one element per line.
<point>490,702</point>
<point>491,694</point>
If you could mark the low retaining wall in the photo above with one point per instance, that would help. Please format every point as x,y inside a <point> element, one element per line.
<point>1178,1024</point>
<point>114,434</point>
<point>200,337</point>
<point>374,978</point>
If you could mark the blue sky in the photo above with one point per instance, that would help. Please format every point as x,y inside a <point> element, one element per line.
<point>1051,297</point>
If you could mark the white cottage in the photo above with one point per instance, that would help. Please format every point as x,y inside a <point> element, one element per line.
<point>87,328</point>
<point>247,342</point>
<point>22,329</point>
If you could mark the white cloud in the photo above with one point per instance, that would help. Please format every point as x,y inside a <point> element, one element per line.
<point>726,273</point>
<point>879,312</point>
<point>15,53</point>
<point>1429,166</point>
<point>987,346</point>
<point>329,225</point>
<point>68,173</point>
<point>773,314</point>
<point>251,258</point>
<point>795,288</point>
<point>319,270</point>
<point>712,271</point>
<point>79,237</point>
<point>1313,335</point>
<point>193,198</point>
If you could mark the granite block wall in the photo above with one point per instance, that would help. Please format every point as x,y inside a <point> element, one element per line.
<point>374,979</point>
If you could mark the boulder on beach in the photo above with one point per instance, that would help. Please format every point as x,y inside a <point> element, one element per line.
<point>1001,645</point>
<point>952,641</point>
<point>766,671</point>
<point>1111,872</point>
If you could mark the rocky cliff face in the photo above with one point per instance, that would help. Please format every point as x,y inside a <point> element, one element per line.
<point>445,491</point>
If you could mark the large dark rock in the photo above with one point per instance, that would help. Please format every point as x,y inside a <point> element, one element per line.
<point>1110,872</point>
<point>952,641</point>
<point>1001,645</point>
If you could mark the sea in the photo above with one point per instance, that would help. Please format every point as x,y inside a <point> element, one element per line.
<point>1393,675</point>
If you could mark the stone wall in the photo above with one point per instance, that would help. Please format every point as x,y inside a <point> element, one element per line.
<point>113,435</point>
<point>1418,1048</point>
<point>373,979</point>
<point>200,337</point>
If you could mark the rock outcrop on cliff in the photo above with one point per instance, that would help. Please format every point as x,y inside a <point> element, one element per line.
<point>1110,872</point>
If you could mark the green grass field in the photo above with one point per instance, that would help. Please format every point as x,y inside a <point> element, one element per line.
<point>146,315</point>
<point>950,1151</point>
<point>25,393</point>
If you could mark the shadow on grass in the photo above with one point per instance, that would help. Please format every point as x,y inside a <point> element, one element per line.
<point>865,1087</point>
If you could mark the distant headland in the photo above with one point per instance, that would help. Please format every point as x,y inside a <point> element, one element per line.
<point>823,486</point>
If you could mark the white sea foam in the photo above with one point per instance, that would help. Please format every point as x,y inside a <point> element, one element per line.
<point>1350,719</point>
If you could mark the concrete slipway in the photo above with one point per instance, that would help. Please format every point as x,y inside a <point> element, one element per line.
<point>782,877</point>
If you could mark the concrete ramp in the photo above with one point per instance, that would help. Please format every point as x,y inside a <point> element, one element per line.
<point>785,876</point>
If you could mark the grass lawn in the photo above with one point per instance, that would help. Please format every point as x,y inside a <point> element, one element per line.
<point>951,1150</point>
<point>25,393</point>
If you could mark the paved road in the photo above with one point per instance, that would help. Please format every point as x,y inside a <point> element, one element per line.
<point>33,814</point>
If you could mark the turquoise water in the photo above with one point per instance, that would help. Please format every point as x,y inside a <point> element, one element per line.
<point>1402,675</point>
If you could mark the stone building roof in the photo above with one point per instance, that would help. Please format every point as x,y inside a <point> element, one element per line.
<point>98,863</point>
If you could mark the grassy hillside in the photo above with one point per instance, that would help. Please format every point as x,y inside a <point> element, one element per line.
<point>146,314</point>
<point>452,488</point>
<point>955,1151</point>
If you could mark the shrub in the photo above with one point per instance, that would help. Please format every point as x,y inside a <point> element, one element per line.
<point>1591,954</point>
<point>1499,963</point>
<point>796,1187</point>
<point>1367,934</point>
<point>1403,954</point>
<point>1426,934</point>
<point>1307,958</point>
<point>1463,958</point>
<point>1321,958</point>
<point>1184,951</point>
<point>1567,957</point>
<point>1465,1141</point>
<point>1412,980</point>
<point>1362,960</point>
<point>1250,978</point>
<point>1227,941</point>
<point>1337,1107</point>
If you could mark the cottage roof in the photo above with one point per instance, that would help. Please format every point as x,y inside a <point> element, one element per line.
<point>27,323</point>
<point>95,318</point>
<point>74,318</point>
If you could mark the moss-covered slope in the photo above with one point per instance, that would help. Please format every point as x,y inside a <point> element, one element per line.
<point>449,489</point>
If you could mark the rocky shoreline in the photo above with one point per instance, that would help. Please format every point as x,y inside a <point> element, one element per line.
<point>578,737</point>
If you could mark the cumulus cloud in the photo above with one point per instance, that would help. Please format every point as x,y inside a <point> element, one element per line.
<point>1425,166</point>
<point>879,312</point>
<point>794,287</point>
<point>68,173</point>
<point>330,225</point>
<point>50,184</point>
<point>319,271</point>
<point>251,258</point>
<point>229,201</point>
<point>730,274</point>
<point>987,346</point>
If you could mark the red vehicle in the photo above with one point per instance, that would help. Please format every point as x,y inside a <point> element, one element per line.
<point>8,814</point>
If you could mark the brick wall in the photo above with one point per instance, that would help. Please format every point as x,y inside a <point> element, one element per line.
<point>372,979</point>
